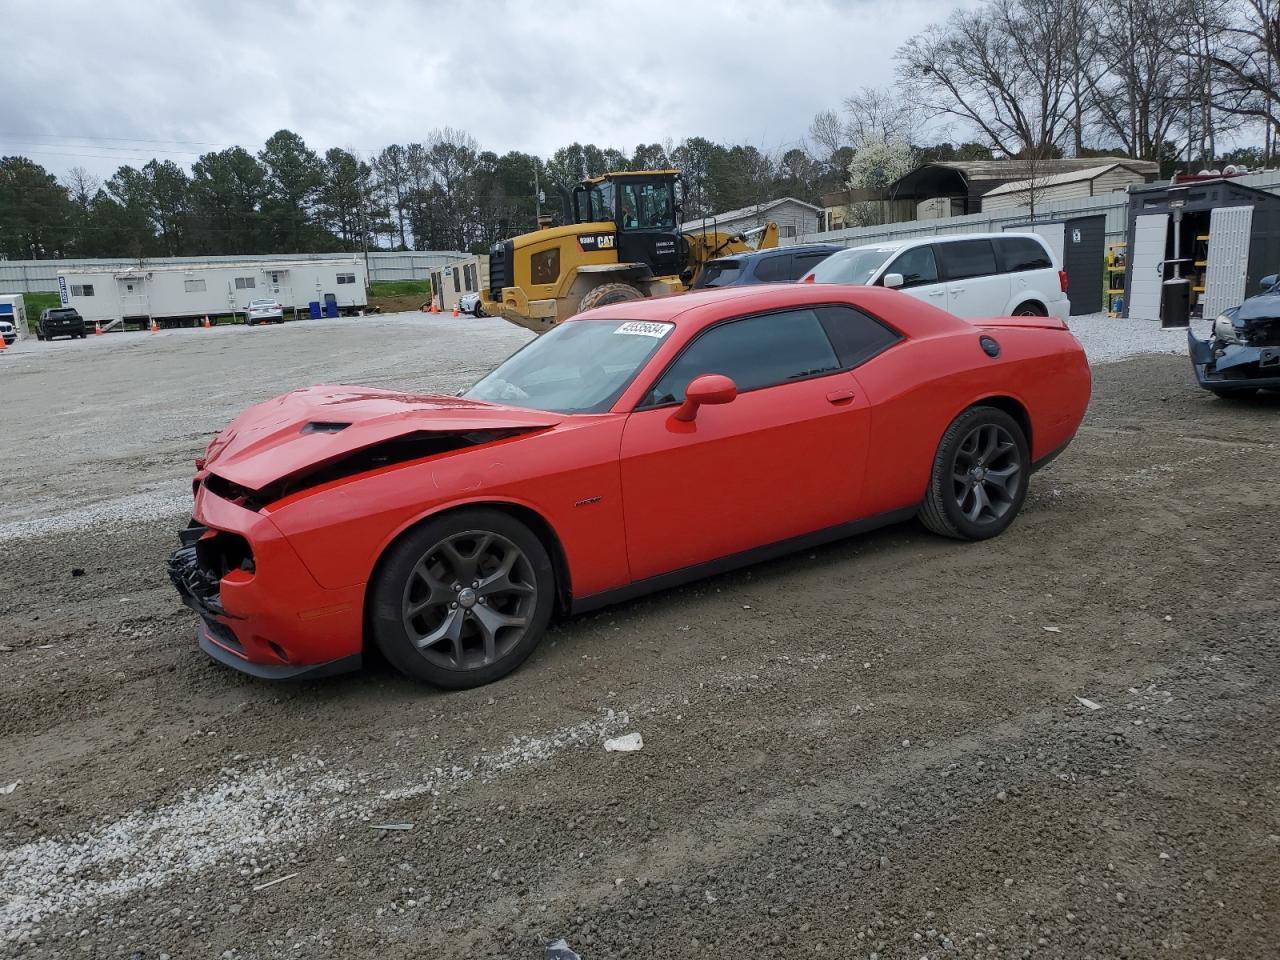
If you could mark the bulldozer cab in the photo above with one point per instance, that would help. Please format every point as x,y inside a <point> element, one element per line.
<point>644,212</point>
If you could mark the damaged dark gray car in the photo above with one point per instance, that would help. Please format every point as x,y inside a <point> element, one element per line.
<point>1242,354</point>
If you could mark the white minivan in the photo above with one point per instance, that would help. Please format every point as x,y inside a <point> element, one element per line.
<point>968,274</point>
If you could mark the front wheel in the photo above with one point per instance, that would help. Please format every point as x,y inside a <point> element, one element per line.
<point>1029,309</point>
<point>608,293</point>
<point>463,599</point>
<point>979,478</point>
<point>1234,393</point>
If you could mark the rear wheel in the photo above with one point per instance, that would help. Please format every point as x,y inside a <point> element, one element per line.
<point>608,293</point>
<point>463,599</point>
<point>1029,309</point>
<point>979,476</point>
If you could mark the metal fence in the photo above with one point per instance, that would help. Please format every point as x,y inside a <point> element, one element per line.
<point>1115,206</point>
<point>41,276</point>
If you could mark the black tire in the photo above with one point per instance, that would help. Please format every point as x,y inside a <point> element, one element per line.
<point>608,293</point>
<point>1234,393</point>
<point>1030,309</point>
<point>421,592</point>
<point>979,478</point>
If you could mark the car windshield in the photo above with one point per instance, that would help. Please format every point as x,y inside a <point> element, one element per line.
<point>581,366</point>
<point>62,314</point>
<point>720,273</point>
<point>857,265</point>
<point>262,303</point>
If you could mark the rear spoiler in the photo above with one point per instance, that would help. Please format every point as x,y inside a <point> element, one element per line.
<point>1025,323</point>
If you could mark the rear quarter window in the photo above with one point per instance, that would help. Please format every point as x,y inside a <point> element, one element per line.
<point>775,269</point>
<point>1023,253</point>
<point>856,336</point>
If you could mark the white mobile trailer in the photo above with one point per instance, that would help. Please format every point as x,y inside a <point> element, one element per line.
<point>174,295</point>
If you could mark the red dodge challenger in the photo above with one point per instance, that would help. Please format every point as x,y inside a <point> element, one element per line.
<point>632,447</point>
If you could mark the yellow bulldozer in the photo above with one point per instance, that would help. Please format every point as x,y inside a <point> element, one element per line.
<point>623,239</point>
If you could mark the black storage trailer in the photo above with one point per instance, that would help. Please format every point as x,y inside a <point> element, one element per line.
<point>1228,237</point>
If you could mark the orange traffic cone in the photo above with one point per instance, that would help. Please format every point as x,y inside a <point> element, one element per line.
<point>435,307</point>
<point>97,329</point>
<point>455,312</point>
<point>207,324</point>
<point>154,328</point>
<point>3,346</point>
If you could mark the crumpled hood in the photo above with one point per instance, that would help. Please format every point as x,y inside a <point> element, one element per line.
<point>1265,306</point>
<point>300,431</point>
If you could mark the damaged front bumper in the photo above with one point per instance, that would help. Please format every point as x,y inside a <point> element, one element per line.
<point>261,612</point>
<point>1233,366</point>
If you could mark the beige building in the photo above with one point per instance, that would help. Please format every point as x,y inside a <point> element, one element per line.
<point>1092,182</point>
<point>451,280</point>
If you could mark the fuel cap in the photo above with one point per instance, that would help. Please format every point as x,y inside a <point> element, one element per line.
<point>989,346</point>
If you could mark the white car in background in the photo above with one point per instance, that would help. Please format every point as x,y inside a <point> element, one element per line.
<point>263,311</point>
<point>968,274</point>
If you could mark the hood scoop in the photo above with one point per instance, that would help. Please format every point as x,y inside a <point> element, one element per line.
<point>320,426</point>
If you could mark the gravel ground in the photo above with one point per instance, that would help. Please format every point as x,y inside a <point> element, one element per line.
<point>1114,338</point>
<point>877,749</point>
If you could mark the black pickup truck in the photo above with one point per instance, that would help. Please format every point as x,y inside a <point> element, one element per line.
<point>60,322</point>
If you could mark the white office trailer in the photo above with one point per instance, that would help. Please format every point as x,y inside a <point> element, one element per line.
<point>180,294</point>
<point>451,280</point>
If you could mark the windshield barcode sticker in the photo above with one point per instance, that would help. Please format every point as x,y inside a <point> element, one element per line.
<point>645,328</point>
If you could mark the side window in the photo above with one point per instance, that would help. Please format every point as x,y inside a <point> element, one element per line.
<point>1023,253</point>
<point>545,266</point>
<point>968,258</point>
<point>856,336</point>
<point>802,263</point>
<point>774,269</point>
<point>755,352</point>
<point>917,267</point>
<point>457,280</point>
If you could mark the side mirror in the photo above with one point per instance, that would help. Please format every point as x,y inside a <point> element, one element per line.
<point>893,280</point>
<point>708,388</point>
<point>1269,282</point>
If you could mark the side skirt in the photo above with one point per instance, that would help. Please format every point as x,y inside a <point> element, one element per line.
<point>746,558</point>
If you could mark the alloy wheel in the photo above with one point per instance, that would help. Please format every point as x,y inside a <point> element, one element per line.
<point>469,600</point>
<point>987,474</point>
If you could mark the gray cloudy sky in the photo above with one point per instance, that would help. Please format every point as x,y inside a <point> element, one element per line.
<point>99,83</point>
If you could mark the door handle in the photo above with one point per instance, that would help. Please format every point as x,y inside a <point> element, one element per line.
<point>937,293</point>
<point>957,289</point>
<point>840,396</point>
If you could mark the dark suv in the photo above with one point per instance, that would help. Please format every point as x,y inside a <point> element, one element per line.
<point>60,322</point>
<point>777,265</point>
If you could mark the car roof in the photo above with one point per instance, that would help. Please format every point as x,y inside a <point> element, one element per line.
<point>779,251</point>
<point>943,238</point>
<point>699,308</point>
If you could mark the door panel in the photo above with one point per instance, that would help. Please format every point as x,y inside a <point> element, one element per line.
<point>975,285</point>
<point>1150,235</point>
<point>775,463</point>
<point>1227,273</point>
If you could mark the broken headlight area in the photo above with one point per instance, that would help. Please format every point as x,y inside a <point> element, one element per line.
<point>198,566</point>
<point>1223,329</point>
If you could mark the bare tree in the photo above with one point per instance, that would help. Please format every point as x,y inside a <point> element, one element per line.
<point>828,131</point>
<point>82,186</point>
<point>1245,64</point>
<point>878,112</point>
<point>1036,169</point>
<point>1000,68</point>
<point>1137,99</point>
